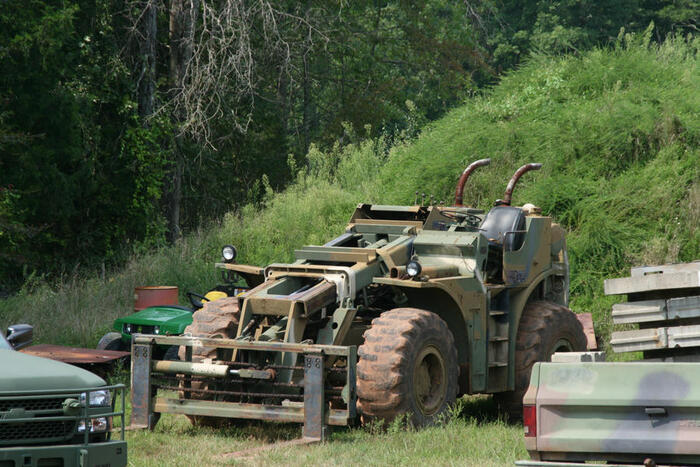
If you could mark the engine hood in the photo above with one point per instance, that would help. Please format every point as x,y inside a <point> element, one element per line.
<point>22,372</point>
<point>158,315</point>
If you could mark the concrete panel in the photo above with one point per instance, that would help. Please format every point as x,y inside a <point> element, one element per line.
<point>573,357</point>
<point>665,269</point>
<point>664,281</point>
<point>639,312</point>
<point>633,341</point>
<point>683,336</point>
<point>683,307</point>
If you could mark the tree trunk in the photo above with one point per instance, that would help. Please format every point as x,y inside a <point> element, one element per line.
<point>306,106</point>
<point>173,190</point>
<point>148,29</point>
<point>183,14</point>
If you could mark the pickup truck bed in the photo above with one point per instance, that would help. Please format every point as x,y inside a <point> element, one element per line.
<point>624,412</point>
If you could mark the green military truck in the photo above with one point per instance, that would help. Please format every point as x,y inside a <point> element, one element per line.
<point>55,414</point>
<point>620,412</point>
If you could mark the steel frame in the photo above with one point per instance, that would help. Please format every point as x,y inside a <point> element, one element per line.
<point>314,413</point>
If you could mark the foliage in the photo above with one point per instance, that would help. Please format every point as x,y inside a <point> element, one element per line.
<point>92,174</point>
<point>77,193</point>
<point>510,30</point>
<point>617,132</point>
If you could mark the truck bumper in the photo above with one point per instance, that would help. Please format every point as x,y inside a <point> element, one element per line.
<point>107,454</point>
<point>570,464</point>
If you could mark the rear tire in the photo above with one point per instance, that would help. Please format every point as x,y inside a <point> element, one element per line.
<point>408,365</point>
<point>111,341</point>
<point>172,354</point>
<point>217,319</point>
<point>545,328</point>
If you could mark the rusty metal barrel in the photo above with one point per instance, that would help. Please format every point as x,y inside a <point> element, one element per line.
<point>154,295</point>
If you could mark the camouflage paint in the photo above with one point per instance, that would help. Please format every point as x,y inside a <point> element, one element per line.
<point>477,285</point>
<point>623,411</point>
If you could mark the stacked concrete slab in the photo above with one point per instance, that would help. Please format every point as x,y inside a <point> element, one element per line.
<point>664,303</point>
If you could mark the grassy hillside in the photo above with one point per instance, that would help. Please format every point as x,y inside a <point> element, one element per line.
<point>617,130</point>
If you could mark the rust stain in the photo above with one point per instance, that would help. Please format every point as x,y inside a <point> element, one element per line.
<point>459,190</point>
<point>74,354</point>
<point>586,320</point>
<point>516,176</point>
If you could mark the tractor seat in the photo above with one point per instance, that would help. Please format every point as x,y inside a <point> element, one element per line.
<point>503,219</point>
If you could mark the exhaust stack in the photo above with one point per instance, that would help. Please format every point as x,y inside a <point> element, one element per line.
<point>459,191</point>
<point>511,184</point>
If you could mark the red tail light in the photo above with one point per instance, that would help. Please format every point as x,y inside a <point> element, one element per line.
<point>530,420</point>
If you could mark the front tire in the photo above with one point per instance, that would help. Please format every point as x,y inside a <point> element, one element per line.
<point>217,319</point>
<point>545,328</point>
<point>408,365</point>
<point>111,341</point>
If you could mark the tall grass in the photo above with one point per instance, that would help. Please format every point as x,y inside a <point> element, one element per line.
<point>618,131</point>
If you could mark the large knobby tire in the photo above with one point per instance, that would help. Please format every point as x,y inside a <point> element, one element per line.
<point>408,365</point>
<point>545,328</point>
<point>217,319</point>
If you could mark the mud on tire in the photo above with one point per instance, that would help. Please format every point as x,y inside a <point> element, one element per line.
<point>545,328</point>
<point>217,319</point>
<point>408,365</point>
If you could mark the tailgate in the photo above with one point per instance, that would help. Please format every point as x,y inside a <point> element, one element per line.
<point>642,408</point>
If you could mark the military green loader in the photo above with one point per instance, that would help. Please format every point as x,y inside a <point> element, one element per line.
<point>406,310</point>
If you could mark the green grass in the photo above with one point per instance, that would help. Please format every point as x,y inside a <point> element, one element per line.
<point>472,435</point>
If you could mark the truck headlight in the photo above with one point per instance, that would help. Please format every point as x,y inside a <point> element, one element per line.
<point>127,328</point>
<point>101,398</point>
<point>97,425</point>
<point>156,329</point>
<point>229,253</point>
<point>413,268</point>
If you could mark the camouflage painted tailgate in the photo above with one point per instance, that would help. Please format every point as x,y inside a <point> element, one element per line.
<point>616,411</point>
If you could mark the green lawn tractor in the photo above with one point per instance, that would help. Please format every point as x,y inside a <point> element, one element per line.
<point>406,310</point>
<point>167,320</point>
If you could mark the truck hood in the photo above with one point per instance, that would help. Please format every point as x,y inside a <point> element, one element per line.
<point>22,372</point>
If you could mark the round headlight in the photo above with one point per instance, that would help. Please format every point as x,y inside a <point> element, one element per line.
<point>413,268</point>
<point>229,253</point>
<point>156,329</point>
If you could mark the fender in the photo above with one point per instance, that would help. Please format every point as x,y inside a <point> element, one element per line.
<point>449,301</point>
